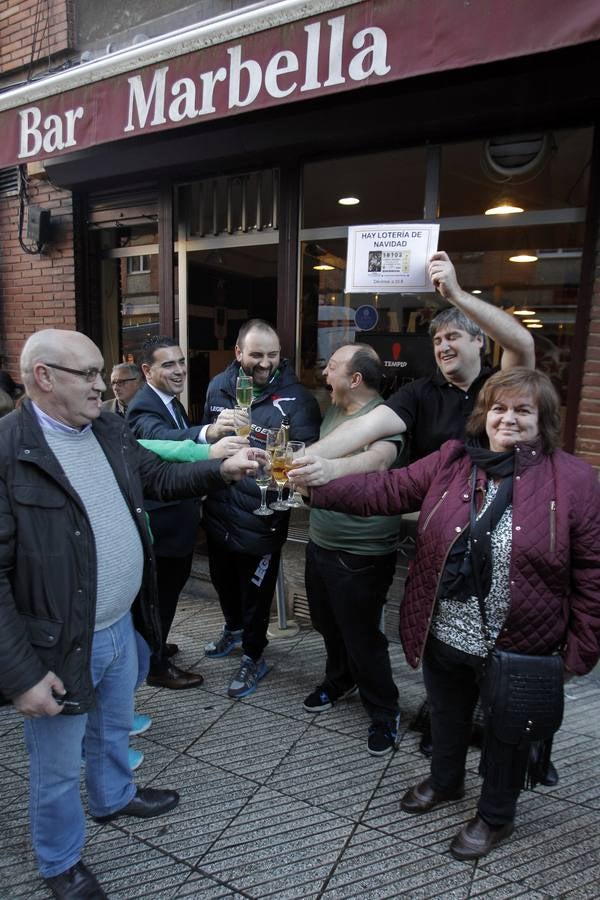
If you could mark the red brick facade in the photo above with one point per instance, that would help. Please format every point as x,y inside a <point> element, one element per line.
<point>35,291</point>
<point>588,420</point>
<point>25,23</point>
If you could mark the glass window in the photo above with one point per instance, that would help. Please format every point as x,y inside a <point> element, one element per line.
<point>389,187</point>
<point>545,170</point>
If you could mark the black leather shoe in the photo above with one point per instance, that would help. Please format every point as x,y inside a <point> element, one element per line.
<point>77,883</point>
<point>550,779</point>
<point>147,803</point>
<point>477,838</point>
<point>421,798</point>
<point>425,746</point>
<point>171,650</point>
<point>175,678</point>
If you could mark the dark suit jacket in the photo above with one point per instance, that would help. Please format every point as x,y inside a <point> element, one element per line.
<point>174,525</point>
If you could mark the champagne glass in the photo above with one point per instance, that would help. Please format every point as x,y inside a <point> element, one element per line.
<point>293,450</point>
<point>263,480</point>
<point>279,477</point>
<point>241,421</point>
<point>243,391</point>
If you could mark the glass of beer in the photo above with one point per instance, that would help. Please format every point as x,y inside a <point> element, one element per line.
<point>293,450</point>
<point>243,391</point>
<point>279,477</point>
<point>263,480</point>
<point>241,421</point>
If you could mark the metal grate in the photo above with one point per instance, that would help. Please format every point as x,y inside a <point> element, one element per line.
<point>235,204</point>
<point>9,182</point>
<point>298,603</point>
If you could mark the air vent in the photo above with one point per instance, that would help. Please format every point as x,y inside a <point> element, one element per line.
<point>518,154</point>
<point>9,182</point>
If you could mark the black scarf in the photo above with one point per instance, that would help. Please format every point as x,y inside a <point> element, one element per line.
<point>473,548</point>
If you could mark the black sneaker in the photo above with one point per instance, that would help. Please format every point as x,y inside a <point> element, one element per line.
<point>320,699</point>
<point>382,737</point>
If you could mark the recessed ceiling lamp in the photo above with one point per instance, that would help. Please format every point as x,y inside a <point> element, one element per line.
<point>531,321</point>
<point>524,312</point>
<point>476,291</point>
<point>523,258</point>
<point>348,201</point>
<point>504,208</point>
<point>535,325</point>
<point>323,267</point>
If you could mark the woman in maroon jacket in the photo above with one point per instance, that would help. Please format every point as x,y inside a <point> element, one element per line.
<point>535,543</point>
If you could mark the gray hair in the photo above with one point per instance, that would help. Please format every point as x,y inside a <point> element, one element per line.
<point>453,316</point>
<point>130,368</point>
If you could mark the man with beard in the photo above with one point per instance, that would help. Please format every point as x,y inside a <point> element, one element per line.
<point>244,549</point>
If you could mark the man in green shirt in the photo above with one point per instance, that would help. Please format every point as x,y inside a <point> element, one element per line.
<point>350,563</point>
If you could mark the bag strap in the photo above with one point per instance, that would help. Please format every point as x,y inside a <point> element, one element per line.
<point>488,640</point>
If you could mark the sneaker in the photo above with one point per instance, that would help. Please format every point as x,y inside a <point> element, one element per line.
<point>136,758</point>
<point>229,641</point>
<point>247,678</point>
<point>141,724</point>
<point>320,699</point>
<point>382,737</point>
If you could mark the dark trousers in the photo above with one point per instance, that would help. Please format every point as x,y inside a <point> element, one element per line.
<point>172,572</point>
<point>452,680</point>
<point>245,585</point>
<point>346,594</point>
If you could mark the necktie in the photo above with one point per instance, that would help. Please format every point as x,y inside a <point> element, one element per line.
<point>177,413</point>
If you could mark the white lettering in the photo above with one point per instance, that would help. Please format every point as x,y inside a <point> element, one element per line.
<point>335,51</point>
<point>30,120</point>
<point>358,70</point>
<point>281,64</point>
<point>209,80</point>
<point>184,106</point>
<point>71,116</point>
<point>311,79</point>
<point>254,73</point>
<point>53,137</point>
<point>138,101</point>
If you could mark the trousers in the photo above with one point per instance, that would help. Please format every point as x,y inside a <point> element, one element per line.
<point>346,594</point>
<point>172,572</point>
<point>452,681</point>
<point>54,744</point>
<point>245,585</point>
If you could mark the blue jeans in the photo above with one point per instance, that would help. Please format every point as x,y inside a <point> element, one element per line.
<point>54,743</point>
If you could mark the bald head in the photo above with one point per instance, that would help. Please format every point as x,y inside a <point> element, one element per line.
<point>71,397</point>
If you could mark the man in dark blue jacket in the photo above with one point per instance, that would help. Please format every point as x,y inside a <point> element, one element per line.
<point>244,549</point>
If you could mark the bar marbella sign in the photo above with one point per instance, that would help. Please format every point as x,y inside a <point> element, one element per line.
<point>358,45</point>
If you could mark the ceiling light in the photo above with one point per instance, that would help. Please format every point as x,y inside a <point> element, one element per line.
<point>323,267</point>
<point>476,291</point>
<point>523,258</point>
<point>348,201</point>
<point>531,321</point>
<point>524,312</point>
<point>534,325</point>
<point>504,208</point>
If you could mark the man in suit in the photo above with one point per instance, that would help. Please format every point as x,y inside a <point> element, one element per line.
<point>155,412</point>
<point>125,381</point>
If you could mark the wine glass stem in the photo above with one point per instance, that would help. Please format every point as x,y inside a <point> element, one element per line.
<point>263,496</point>
<point>279,493</point>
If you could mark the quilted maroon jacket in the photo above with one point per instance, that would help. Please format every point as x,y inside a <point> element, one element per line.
<point>555,557</point>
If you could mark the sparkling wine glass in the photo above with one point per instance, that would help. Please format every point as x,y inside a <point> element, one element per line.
<point>243,391</point>
<point>242,423</point>
<point>293,450</point>
<point>279,476</point>
<point>263,480</point>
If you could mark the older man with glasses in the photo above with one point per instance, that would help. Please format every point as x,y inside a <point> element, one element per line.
<point>70,596</point>
<point>125,381</point>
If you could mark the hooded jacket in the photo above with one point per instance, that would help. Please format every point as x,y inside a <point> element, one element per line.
<point>48,554</point>
<point>229,517</point>
<point>555,556</point>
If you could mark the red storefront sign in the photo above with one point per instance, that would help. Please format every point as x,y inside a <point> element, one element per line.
<point>355,46</point>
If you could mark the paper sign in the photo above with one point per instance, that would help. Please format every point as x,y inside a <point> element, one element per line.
<point>390,258</point>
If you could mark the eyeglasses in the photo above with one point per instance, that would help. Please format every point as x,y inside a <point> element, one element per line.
<point>121,381</point>
<point>90,374</point>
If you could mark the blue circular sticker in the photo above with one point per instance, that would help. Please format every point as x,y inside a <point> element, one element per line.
<point>366,317</point>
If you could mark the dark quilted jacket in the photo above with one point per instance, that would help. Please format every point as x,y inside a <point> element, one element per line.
<point>555,558</point>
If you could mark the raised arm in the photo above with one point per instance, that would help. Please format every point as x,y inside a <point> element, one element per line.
<point>312,470</point>
<point>379,423</point>
<point>515,340</point>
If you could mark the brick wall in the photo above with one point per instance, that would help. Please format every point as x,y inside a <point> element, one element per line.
<point>35,291</point>
<point>47,23</point>
<point>588,421</point>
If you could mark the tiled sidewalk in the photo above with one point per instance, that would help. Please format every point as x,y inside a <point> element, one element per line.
<point>279,803</point>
